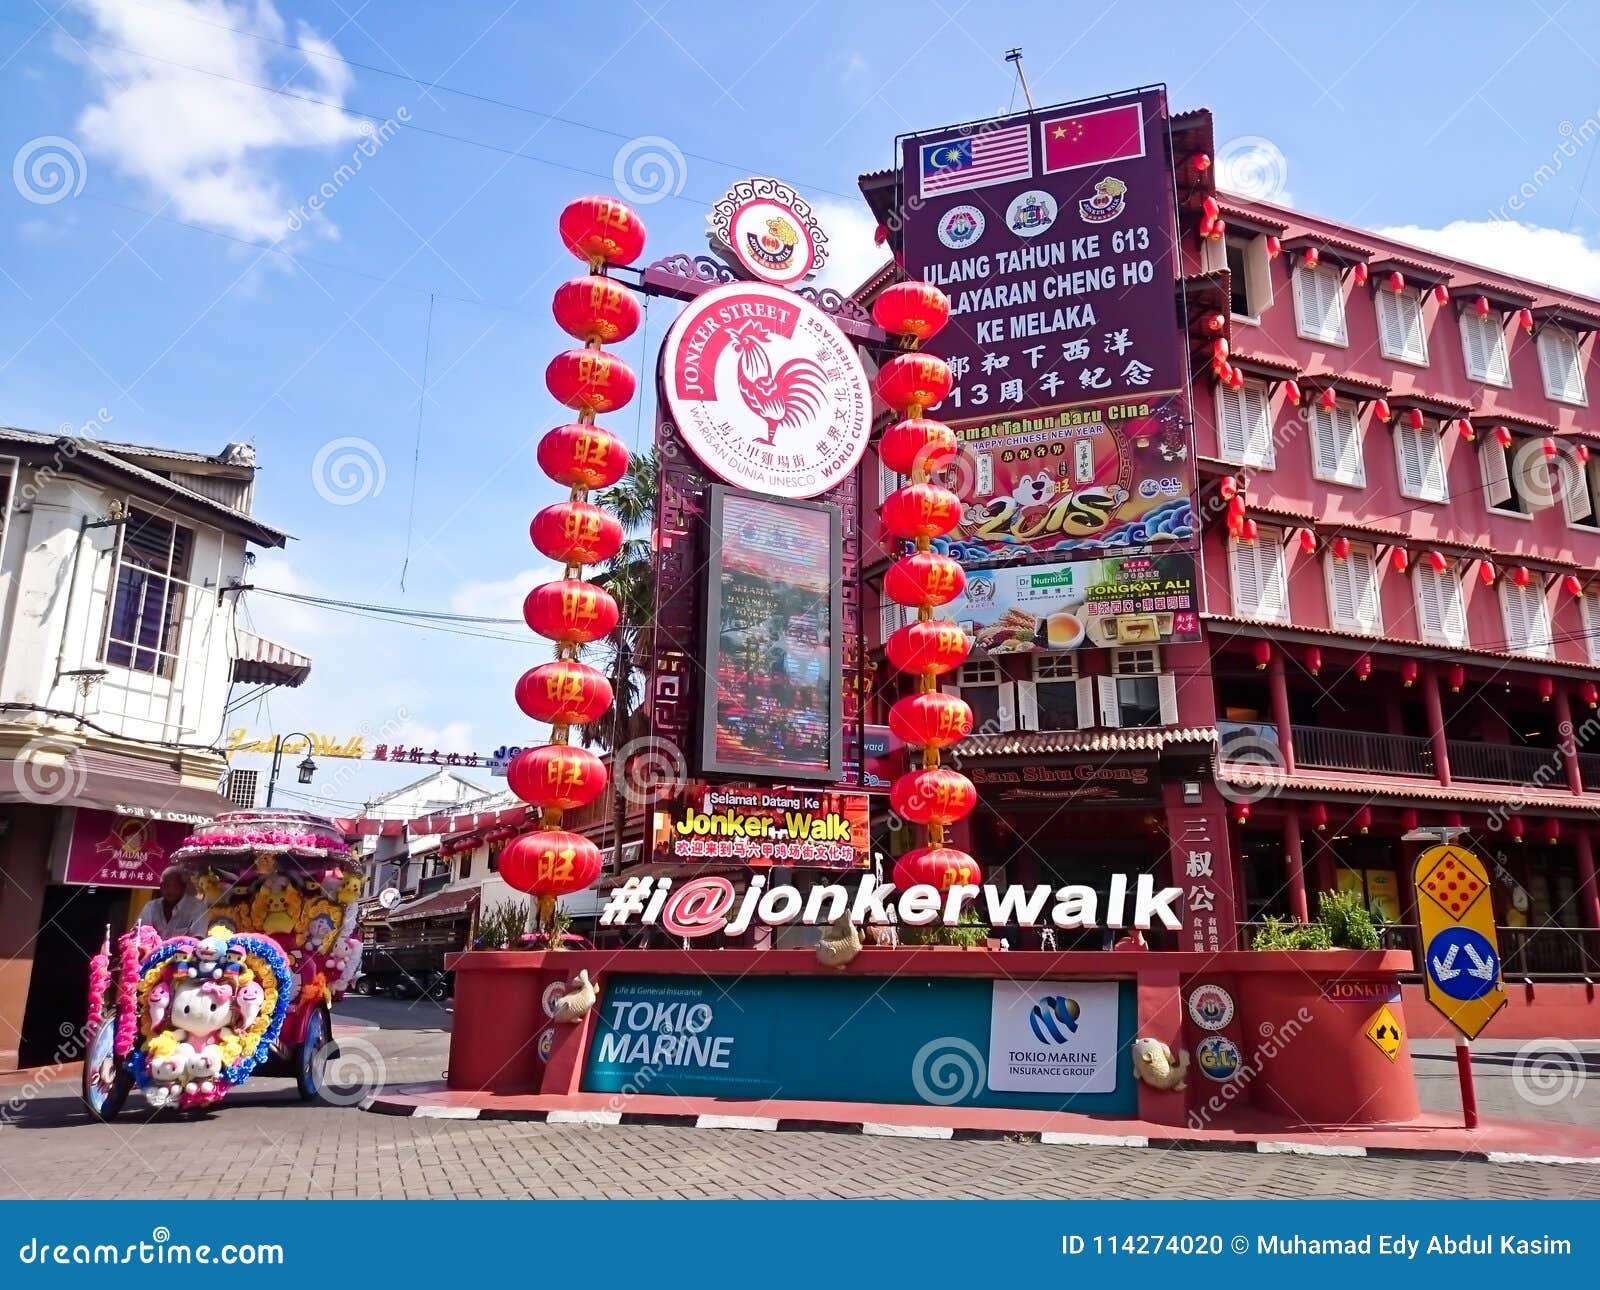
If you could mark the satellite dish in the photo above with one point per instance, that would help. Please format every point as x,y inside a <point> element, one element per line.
<point>389,897</point>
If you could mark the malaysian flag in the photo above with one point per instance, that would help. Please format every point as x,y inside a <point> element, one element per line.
<point>977,160</point>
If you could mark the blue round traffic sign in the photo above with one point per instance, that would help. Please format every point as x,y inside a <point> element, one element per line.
<point>1462,963</point>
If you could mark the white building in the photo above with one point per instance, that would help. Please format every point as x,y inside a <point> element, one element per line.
<point>120,569</point>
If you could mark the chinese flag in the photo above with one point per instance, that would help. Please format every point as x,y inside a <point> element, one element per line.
<point>1091,138</point>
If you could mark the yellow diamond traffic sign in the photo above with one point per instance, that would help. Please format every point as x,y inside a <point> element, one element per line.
<point>1460,957</point>
<point>1384,1031</point>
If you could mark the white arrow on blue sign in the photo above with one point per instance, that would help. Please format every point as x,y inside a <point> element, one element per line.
<point>1462,963</point>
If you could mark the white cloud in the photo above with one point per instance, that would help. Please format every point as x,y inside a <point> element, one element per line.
<point>1564,260</point>
<point>287,621</point>
<point>852,255</point>
<point>204,143</point>
<point>500,598</point>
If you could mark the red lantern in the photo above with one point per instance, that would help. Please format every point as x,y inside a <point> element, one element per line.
<point>924,579</point>
<point>1486,573</point>
<point>1581,452</point>
<point>1201,161</point>
<point>1398,559</point>
<point>920,511</point>
<point>550,863</point>
<point>1274,246</point>
<point>1236,378</point>
<point>916,309</point>
<point>1515,828</point>
<point>1525,317</point>
<point>590,380</point>
<point>1552,830</point>
<point>906,445</point>
<point>1363,819</point>
<point>1218,228</point>
<point>912,382</point>
<point>1408,672</point>
<point>1228,487</point>
<point>1437,561</point>
<point>1466,430</point>
<point>1219,349</point>
<point>1548,447</point>
<point>1206,225</point>
<point>1572,585</point>
<point>1292,390</point>
<point>1408,820</point>
<point>1314,660</point>
<point>576,533</point>
<point>1521,576</point>
<point>880,235</point>
<point>564,693</point>
<point>583,456</point>
<point>1453,819</point>
<point>1224,372</point>
<point>931,647</point>
<point>596,310</point>
<point>571,612</point>
<point>934,720</point>
<point>1591,694</point>
<point>556,776</point>
<point>1215,323</point>
<point>1311,258</point>
<point>1317,814</point>
<point>1208,204</point>
<point>1361,273</point>
<point>1329,399</point>
<point>1415,419</point>
<point>1397,282</point>
<point>602,230</point>
<point>1546,686</point>
<point>1241,813</point>
<point>1262,651</point>
<point>1458,677</point>
<point>1363,667</point>
<point>1308,541</point>
<point>936,796</point>
<point>1441,293</point>
<point>1381,410</point>
<point>1249,530</point>
<point>938,867</point>
<point>1480,306</point>
<point>1341,547</point>
<point>1503,435</point>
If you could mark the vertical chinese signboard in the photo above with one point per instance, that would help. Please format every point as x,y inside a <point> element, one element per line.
<point>1055,236</point>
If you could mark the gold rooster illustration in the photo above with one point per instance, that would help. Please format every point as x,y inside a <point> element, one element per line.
<point>790,397</point>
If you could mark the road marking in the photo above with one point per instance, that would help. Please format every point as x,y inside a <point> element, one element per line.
<point>906,1131</point>
<point>1093,1140</point>
<point>584,1117</point>
<point>445,1113</point>
<point>758,1122</point>
<point>1526,1158</point>
<point>1306,1149</point>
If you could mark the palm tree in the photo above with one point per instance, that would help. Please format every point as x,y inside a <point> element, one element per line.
<point>630,578</point>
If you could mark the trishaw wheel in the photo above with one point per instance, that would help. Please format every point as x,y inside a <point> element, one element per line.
<point>314,1052</point>
<point>106,1080</point>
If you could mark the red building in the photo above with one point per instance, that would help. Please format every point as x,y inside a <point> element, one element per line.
<point>1403,630</point>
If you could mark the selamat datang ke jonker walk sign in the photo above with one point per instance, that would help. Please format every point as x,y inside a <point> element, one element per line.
<point>1461,959</point>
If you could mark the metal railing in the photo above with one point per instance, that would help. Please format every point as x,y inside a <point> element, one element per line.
<point>1322,748</point>
<point>1527,953</point>
<point>1506,764</point>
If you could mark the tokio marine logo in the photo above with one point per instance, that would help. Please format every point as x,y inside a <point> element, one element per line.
<point>766,390</point>
<point>1054,1019</point>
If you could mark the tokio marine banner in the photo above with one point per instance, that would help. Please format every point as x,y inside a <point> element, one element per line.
<point>1054,234</point>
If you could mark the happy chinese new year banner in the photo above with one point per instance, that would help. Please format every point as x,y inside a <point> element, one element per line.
<point>1054,234</point>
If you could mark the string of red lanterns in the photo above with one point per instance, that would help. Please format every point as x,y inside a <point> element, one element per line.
<point>557,777</point>
<point>932,796</point>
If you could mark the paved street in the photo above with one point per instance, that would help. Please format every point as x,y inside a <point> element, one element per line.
<point>274,1146</point>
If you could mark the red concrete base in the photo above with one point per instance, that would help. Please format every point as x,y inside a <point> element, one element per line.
<point>1511,1140</point>
<point>1541,1010</point>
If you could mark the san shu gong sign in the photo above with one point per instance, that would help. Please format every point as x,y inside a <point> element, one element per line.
<point>1054,233</point>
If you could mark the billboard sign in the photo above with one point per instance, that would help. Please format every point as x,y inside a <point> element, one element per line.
<point>110,850</point>
<point>1054,233</point>
<point>771,702</point>
<point>766,230</point>
<point>1109,602</point>
<point>757,824</point>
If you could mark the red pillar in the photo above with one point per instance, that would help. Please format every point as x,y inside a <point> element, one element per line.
<point>1568,740</point>
<point>1294,863</point>
<point>1278,683</point>
<point>1202,864</point>
<point>1435,713</point>
<point>1583,845</point>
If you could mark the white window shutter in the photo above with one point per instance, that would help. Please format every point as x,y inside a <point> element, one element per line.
<point>1324,444</point>
<point>1352,469</point>
<point>1369,607</point>
<point>1006,714</point>
<point>1496,472</point>
<point>1086,702</point>
<point>1440,607</point>
<point>1560,363</point>
<point>1483,342</point>
<point>1421,457</point>
<point>1400,331</point>
<point>1233,438</point>
<point>1110,706</point>
<point>1246,579</point>
<point>1167,691</point>
<point>1258,427</point>
<point>1527,618</point>
<point>1027,705</point>
<point>1589,609</point>
<point>1573,477</point>
<point>1319,304</point>
<point>1341,592</point>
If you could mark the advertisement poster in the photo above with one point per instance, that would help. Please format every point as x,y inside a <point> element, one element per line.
<point>108,850</point>
<point>756,824</point>
<point>1119,600</point>
<point>1054,234</point>
<point>1054,1037</point>
<point>771,639</point>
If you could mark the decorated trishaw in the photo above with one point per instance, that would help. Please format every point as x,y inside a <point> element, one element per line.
<point>186,1019</point>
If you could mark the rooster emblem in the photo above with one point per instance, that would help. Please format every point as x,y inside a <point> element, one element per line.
<point>793,395</point>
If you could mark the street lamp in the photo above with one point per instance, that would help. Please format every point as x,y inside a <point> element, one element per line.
<point>306,769</point>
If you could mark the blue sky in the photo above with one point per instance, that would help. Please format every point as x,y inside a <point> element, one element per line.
<point>175,273</point>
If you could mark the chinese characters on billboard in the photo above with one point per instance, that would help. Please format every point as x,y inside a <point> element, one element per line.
<point>1114,601</point>
<point>772,638</point>
<point>757,824</point>
<point>1054,234</point>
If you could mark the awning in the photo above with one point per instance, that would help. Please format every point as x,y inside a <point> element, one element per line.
<point>441,904</point>
<point>138,786</point>
<point>264,662</point>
